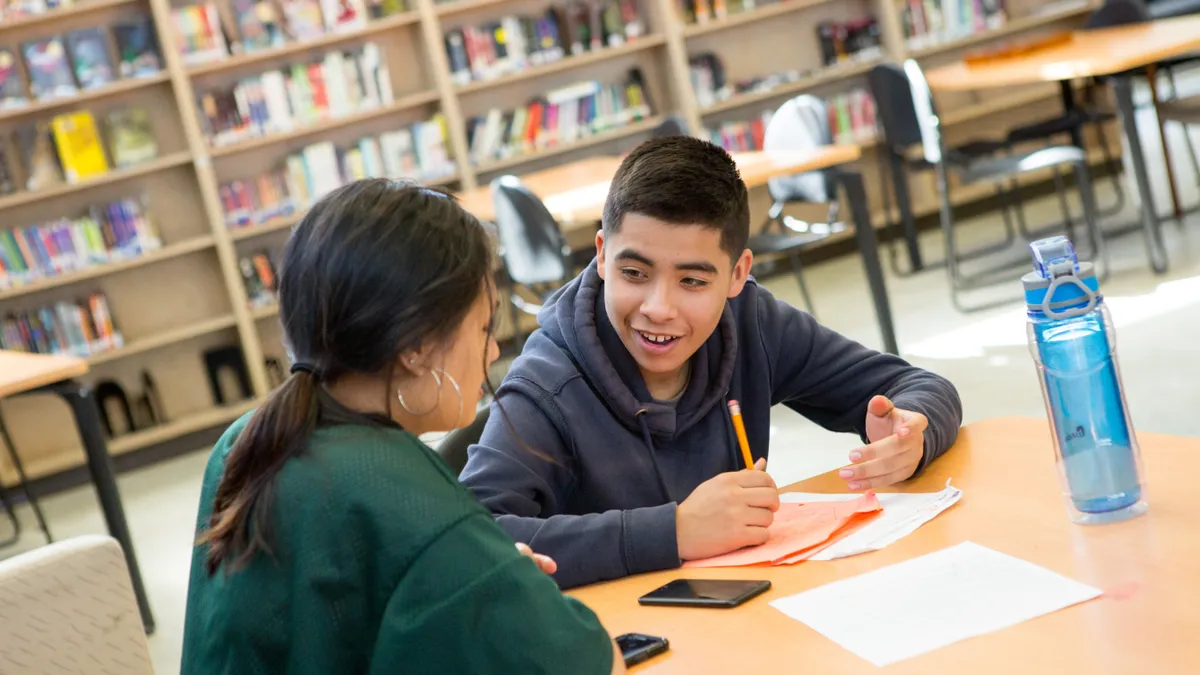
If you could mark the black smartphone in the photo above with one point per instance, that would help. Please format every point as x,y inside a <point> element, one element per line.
<point>705,592</point>
<point>636,647</point>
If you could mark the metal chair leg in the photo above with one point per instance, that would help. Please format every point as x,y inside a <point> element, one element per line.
<point>798,271</point>
<point>1060,191</point>
<point>23,481</point>
<point>1095,236</point>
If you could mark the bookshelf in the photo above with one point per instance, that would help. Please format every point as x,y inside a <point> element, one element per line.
<point>189,295</point>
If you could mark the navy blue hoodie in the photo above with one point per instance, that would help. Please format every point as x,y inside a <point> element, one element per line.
<point>592,468</point>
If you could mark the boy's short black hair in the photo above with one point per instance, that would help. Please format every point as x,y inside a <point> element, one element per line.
<point>684,181</point>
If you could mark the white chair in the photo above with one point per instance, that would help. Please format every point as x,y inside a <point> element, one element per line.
<point>68,608</point>
<point>800,124</point>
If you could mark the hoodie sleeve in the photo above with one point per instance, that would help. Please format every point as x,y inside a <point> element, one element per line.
<point>830,378</point>
<point>523,471</point>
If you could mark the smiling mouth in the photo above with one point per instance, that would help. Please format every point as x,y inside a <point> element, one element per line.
<point>657,339</point>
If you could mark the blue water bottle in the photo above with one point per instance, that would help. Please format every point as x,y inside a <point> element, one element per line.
<point>1073,343</point>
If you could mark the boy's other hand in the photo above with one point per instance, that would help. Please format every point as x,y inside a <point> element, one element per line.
<point>897,445</point>
<point>544,562</point>
<point>727,512</point>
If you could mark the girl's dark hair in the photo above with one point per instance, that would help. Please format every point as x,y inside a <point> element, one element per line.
<point>375,268</point>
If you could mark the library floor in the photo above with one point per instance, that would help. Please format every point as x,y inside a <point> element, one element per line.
<point>984,354</point>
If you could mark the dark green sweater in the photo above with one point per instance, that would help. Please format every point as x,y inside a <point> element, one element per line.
<point>382,563</point>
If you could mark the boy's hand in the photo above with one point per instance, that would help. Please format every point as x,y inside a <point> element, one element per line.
<point>727,512</point>
<point>897,446</point>
<point>544,562</point>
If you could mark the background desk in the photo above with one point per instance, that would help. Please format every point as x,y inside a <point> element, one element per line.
<point>1011,503</point>
<point>575,193</point>
<point>28,373</point>
<point>1110,51</point>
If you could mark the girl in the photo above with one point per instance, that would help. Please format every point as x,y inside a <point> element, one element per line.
<point>331,540</point>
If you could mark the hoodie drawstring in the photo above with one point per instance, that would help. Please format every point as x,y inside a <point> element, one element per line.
<point>662,484</point>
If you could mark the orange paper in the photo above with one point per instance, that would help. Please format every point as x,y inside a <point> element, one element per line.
<point>799,531</point>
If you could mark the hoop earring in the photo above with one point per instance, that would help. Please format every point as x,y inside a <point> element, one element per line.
<point>436,378</point>
<point>454,383</point>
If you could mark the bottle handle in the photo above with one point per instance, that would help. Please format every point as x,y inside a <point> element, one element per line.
<point>1093,298</point>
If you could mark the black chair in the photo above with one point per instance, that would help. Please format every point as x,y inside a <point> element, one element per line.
<point>532,247</point>
<point>901,133</point>
<point>453,448</point>
<point>1076,118</point>
<point>672,126</point>
<point>996,171</point>
<point>800,124</point>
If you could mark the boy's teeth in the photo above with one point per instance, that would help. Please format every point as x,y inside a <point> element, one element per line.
<point>658,339</point>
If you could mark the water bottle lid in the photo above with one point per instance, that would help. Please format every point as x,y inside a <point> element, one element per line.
<point>1072,286</point>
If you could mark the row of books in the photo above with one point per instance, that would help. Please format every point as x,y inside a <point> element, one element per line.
<point>259,278</point>
<point>61,66</point>
<point>418,153</point>
<point>515,43</point>
<point>741,136</point>
<point>558,117</point>
<point>929,22</point>
<point>851,40</point>
<point>851,120</point>
<point>16,9</point>
<point>707,73</point>
<point>69,148</point>
<point>203,34</point>
<point>107,233</point>
<point>277,101</point>
<point>82,328</point>
<point>703,11</point>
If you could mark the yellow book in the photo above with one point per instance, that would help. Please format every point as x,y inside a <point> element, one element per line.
<point>79,147</point>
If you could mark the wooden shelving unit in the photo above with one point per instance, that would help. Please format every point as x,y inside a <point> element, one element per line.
<point>188,296</point>
<point>242,61</point>
<point>1010,28</point>
<point>616,134</point>
<point>820,78</point>
<point>763,13</point>
<point>566,63</point>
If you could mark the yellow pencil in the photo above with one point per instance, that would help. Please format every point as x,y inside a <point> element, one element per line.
<point>735,411</point>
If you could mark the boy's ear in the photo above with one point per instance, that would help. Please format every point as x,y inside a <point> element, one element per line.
<point>741,272</point>
<point>600,253</point>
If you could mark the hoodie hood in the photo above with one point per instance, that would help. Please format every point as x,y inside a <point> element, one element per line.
<point>575,319</point>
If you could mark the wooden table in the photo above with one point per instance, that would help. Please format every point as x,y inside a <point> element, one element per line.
<point>574,193</point>
<point>1150,566</point>
<point>22,373</point>
<point>1112,52</point>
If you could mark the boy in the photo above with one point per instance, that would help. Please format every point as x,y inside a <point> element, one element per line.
<point>616,453</point>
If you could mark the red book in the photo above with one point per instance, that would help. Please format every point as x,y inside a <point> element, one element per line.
<point>758,130</point>
<point>316,80</point>
<point>534,123</point>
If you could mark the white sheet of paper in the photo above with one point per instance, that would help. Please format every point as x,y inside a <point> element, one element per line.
<point>932,601</point>
<point>902,515</point>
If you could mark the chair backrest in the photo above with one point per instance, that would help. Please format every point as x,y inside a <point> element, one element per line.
<point>672,126</point>
<point>801,123</point>
<point>927,119</point>
<point>453,448</point>
<point>1117,13</point>
<point>69,608</point>
<point>894,106</point>
<point>531,241</point>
